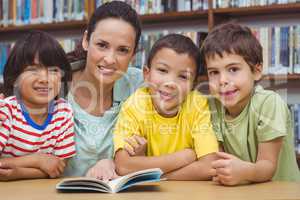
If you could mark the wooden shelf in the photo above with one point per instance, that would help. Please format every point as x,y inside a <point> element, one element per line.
<point>146,20</point>
<point>276,9</point>
<point>57,26</point>
<point>173,17</point>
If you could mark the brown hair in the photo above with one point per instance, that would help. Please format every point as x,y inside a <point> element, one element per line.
<point>114,9</point>
<point>232,38</point>
<point>180,44</point>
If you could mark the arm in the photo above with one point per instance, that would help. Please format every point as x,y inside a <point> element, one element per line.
<point>48,164</point>
<point>231,170</point>
<point>198,170</point>
<point>126,164</point>
<point>10,172</point>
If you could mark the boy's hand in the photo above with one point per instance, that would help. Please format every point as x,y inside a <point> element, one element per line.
<point>51,165</point>
<point>104,170</point>
<point>229,169</point>
<point>136,145</point>
<point>7,171</point>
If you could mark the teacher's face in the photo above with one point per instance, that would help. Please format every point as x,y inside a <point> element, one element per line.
<point>109,50</point>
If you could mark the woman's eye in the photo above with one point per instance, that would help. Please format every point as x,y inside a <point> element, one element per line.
<point>124,50</point>
<point>102,45</point>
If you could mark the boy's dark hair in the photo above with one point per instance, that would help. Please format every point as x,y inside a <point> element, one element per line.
<point>180,44</point>
<point>232,38</point>
<point>35,43</point>
<point>114,9</point>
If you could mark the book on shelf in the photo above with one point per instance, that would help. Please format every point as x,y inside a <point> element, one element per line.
<point>92,184</point>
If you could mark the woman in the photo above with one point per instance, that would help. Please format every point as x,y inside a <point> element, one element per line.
<point>101,82</point>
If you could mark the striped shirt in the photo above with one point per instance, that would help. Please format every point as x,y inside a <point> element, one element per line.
<point>20,135</point>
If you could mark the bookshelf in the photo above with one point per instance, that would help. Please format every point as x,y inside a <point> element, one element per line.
<point>204,20</point>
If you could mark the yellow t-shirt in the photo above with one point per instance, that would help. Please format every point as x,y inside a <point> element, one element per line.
<point>190,128</point>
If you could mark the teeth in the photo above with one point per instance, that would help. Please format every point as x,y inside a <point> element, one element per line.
<point>107,70</point>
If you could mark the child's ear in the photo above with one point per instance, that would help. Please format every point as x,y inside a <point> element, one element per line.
<point>85,42</point>
<point>257,72</point>
<point>146,73</point>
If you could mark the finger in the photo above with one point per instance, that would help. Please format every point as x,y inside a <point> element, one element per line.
<point>215,179</point>
<point>212,172</point>
<point>221,163</point>
<point>140,140</point>
<point>5,172</point>
<point>223,155</point>
<point>223,179</point>
<point>115,175</point>
<point>129,150</point>
<point>223,171</point>
<point>5,165</point>
<point>132,142</point>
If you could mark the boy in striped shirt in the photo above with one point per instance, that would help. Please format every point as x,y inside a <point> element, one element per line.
<point>37,136</point>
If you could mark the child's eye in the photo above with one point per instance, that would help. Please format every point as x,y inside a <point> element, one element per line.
<point>213,73</point>
<point>162,70</point>
<point>183,77</point>
<point>233,69</point>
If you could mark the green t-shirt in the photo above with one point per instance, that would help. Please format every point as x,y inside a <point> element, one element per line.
<point>265,118</point>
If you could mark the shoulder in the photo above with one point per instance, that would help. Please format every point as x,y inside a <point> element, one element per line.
<point>138,99</point>
<point>62,108</point>
<point>133,76</point>
<point>127,84</point>
<point>196,101</point>
<point>266,98</point>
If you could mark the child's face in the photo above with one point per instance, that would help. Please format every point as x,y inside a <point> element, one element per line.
<point>109,50</point>
<point>39,85</point>
<point>170,79</point>
<point>231,81</point>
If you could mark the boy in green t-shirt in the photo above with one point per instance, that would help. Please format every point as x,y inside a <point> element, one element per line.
<point>252,124</point>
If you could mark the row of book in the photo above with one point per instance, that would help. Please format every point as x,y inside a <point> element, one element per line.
<point>162,6</point>
<point>281,49</point>
<point>295,112</point>
<point>248,3</point>
<point>23,12</point>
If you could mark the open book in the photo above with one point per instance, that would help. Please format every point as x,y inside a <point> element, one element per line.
<point>113,186</point>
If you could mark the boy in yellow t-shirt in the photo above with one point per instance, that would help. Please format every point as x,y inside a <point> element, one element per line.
<point>168,116</point>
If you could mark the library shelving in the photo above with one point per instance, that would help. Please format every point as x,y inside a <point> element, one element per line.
<point>256,16</point>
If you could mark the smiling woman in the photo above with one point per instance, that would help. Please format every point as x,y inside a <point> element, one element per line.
<point>100,84</point>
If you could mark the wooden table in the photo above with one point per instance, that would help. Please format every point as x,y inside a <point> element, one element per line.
<point>166,190</point>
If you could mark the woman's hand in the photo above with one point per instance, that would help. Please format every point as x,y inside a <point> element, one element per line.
<point>104,169</point>
<point>136,145</point>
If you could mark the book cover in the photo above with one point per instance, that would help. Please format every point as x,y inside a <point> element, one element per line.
<point>92,184</point>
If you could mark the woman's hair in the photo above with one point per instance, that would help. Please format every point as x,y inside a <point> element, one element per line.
<point>40,45</point>
<point>178,43</point>
<point>114,9</point>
